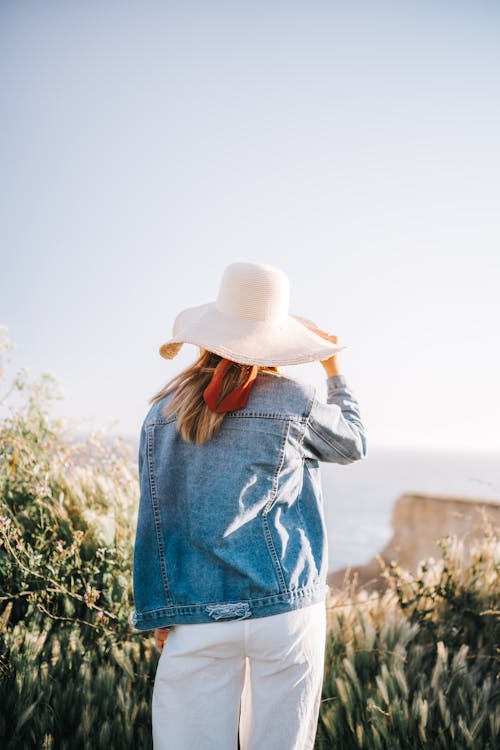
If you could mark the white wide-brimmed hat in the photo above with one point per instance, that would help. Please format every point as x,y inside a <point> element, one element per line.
<point>249,322</point>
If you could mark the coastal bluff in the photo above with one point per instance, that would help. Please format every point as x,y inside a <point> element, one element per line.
<point>418,522</point>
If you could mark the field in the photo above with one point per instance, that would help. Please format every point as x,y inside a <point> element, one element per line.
<point>415,667</point>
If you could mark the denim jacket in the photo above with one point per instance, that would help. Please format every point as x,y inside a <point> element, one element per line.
<point>235,528</point>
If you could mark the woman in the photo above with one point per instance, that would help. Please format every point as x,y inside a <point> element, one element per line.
<point>230,555</point>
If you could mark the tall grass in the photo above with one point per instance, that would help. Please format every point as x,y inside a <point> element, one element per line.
<point>57,691</point>
<point>419,665</point>
<point>73,674</point>
<point>415,667</point>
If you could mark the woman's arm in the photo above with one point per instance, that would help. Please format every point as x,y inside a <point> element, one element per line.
<point>334,431</point>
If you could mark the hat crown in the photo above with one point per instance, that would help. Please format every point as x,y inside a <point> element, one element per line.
<point>254,291</point>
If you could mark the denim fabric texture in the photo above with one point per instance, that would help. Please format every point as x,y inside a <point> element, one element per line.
<point>235,528</point>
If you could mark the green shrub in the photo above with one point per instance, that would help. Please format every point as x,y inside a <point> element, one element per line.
<point>73,674</point>
<point>66,518</point>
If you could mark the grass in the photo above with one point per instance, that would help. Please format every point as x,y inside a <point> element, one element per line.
<point>414,667</point>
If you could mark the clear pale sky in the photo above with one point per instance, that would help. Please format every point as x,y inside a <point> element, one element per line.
<point>146,145</point>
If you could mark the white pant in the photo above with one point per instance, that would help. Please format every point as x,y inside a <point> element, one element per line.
<point>273,665</point>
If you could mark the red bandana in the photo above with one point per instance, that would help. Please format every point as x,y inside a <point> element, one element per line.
<point>234,400</point>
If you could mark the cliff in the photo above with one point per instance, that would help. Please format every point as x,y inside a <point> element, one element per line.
<point>418,521</point>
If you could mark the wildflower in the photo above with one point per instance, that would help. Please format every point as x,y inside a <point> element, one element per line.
<point>5,523</point>
<point>88,594</point>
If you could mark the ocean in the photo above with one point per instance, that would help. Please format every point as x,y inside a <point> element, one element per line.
<point>359,497</point>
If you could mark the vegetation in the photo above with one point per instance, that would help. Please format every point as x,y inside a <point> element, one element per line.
<point>73,674</point>
<point>414,667</point>
<point>418,666</point>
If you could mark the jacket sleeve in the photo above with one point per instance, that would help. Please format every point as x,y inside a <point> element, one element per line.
<point>334,431</point>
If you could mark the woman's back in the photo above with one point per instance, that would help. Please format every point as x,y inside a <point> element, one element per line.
<point>237,522</point>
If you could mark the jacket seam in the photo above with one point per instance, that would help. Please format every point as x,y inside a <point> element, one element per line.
<point>277,472</point>
<point>329,442</point>
<point>243,415</point>
<point>267,508</point>
<point>307,420</point>
<point>265,415</point>
<point>156,515</point>
<point>299,493</point>
<point>319,500</point>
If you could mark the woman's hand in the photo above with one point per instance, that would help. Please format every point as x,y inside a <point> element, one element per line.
<point>160,638</point>
<point>331,365</point>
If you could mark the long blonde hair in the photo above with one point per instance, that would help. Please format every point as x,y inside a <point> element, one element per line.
<point>195,421</point>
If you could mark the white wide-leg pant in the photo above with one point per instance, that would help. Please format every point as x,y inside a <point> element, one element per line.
<point>262,676</point>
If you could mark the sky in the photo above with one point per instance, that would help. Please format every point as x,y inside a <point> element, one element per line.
<point>146,145</point>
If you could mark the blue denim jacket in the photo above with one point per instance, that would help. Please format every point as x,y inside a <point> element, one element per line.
<point>234,528</point>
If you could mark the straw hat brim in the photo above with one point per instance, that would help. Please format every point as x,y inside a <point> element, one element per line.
<point>248,341</point>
